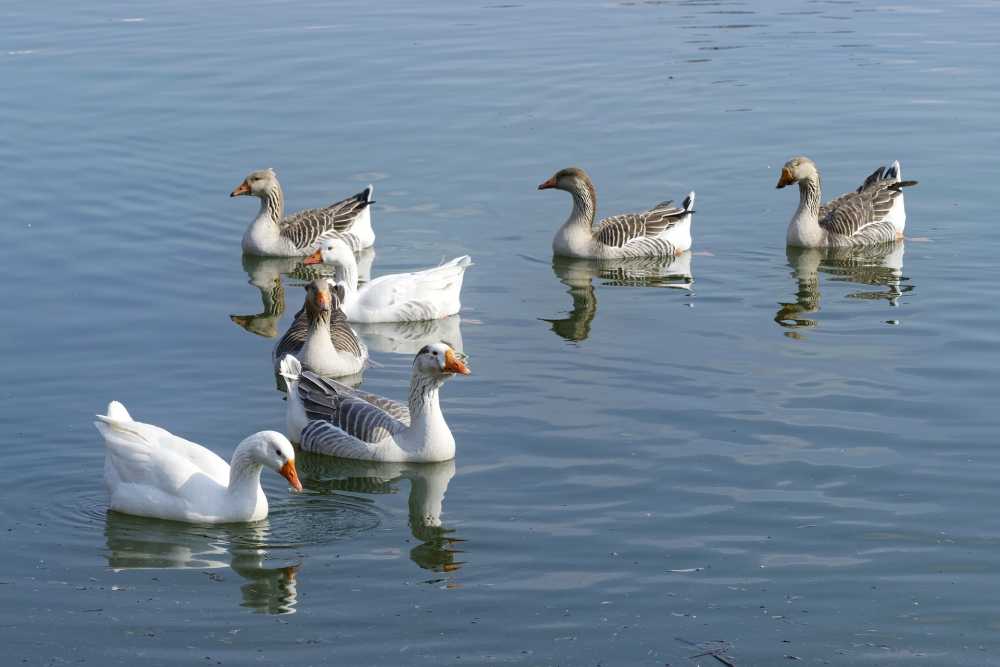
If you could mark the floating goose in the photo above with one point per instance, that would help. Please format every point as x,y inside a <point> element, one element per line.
<point>273,234</point>
<point>151,472</point>
<point>328,418</point>
<point>402,297</point>
<point>320,336</point>
<point>874,213</point>
<point>664,230</point>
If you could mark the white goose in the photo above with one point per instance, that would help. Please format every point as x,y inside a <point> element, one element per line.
<point>664,230</point>
<point>273,234</point>
<point>401,297</point>
<point>151,472</point>
<point>321,337</point>
<point>326,417</point>
<point>872,214</point>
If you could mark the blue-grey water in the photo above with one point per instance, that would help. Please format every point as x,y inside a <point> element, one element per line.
<point>764,454</point>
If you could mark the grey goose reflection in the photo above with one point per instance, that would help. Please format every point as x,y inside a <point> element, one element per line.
<point>878,266</point>
<point>428,482</point>
<point>320,337</point>
<point>272,233</point>
<point>266,274</point>
<point>578,276</point>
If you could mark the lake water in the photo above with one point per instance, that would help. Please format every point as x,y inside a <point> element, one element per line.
<point>759,453</point>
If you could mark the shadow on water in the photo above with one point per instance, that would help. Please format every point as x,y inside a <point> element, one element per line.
<point>578,275</point>
<point>265,273</point>
<point>878,266</point>
<point>428,484</point>
<point>140,543</point>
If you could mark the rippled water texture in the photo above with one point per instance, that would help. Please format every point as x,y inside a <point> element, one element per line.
<point>748,451</point>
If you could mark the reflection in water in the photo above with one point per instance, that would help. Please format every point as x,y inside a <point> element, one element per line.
<point>880,266</point>
<point>577,274</point>
<point>428,485</point>
<point>409,337</point>
<point>265,274</point>
<point>141,543</point>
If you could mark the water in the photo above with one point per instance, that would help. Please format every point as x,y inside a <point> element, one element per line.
<point>783,453</point>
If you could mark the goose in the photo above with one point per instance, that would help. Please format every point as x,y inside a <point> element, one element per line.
<point>872,214</point>
<point>401,297</point>
<point>664,230</point>
<point>320,336</point>
<point>151,472</point>
<point>326,417</point>
<point>273,234</point>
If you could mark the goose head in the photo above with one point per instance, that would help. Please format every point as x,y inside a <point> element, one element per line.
<point>332,251</point>
<point>273,450</point>
<point>258,183</point>
<point>321,299</point>
<point>440,360</point>
<point>797,169</point>
<point>570,179</point>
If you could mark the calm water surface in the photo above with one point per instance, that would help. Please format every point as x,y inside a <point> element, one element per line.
<point>750,451</point>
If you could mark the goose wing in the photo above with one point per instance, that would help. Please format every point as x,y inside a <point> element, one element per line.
<point>322,398</point>
<point>308,227</point>
<point>862,214</point>
<point>619,230</point>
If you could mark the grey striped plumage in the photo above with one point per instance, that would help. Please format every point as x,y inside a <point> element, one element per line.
<point>306,228</point>
<point>343,337</point>
<point>321,396</point>
<point>861,215</point>
<point>620,230</point>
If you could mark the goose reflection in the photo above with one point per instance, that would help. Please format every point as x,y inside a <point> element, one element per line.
<point>409,337</point>
<point>138,543</point>
<point>265,274</point>
<point>428,484</point>
<point>878,266</point>
<point>578,275</point>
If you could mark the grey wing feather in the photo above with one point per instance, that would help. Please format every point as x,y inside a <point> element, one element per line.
<point>862,214</point>
<point>619,230</point>
<point>305,228</point>
<point>321,396</point>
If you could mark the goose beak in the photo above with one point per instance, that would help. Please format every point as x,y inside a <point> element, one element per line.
<point>547,185</point>
<point>452,364</point>
<point>786,178</point>
<point>315,258</point>
<point>288,472</point>
<point>241,189</point>
<point>323,300</point>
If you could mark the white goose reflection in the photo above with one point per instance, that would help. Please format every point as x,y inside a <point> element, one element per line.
<point>409,337</point>
<point>878,266</point>
<point>265,274</point>
<point>428,485</point>
<point>578,275</point>
<point>139,543</point>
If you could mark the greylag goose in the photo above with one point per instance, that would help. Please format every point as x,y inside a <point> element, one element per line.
<point>329,418</point>
<point>273,234</point>
<point>662,231</point>
<point>320,336</point>
<point>401,297</point>
<point>153,473</point>
<point>874,213</point>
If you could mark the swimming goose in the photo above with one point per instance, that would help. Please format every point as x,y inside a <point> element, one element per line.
<point>320,336</point>
<point>662,231</point>
<point>328,418</point>
<point>273,234</point>
<point>874,213</point>
<point>402,297</point>
<point>151,472</point>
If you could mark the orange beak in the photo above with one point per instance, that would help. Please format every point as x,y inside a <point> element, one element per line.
<point>315,258</point>
<point>549,184</point>
<point>323,300</point>
<point>453,365</point>
<point>786,178</point>
<point>288,472</point>
<point>241,189</point>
